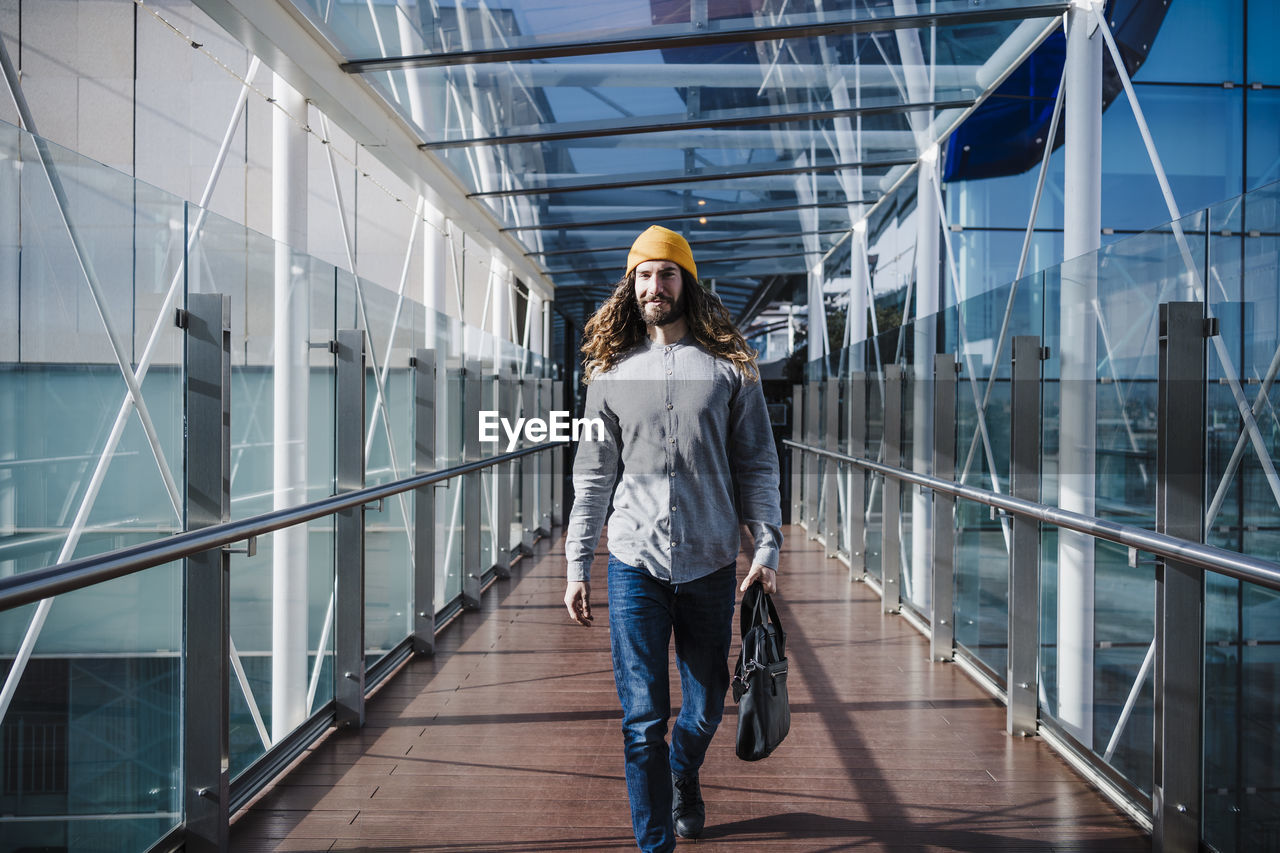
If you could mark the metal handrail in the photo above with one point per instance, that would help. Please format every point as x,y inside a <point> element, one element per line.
<point>1235,565</point>
<point>72,575</point>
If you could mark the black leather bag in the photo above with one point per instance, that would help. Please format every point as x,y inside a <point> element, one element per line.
<point>760,679</point>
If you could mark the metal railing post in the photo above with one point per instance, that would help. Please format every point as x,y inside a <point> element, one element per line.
<point>424,504</point>
<point>814,463</point>
<point>504,480</point>
<point>1179,660</point>
<point>1023,684</point>
<point>941,621</point>
<point>831,426</point>
<point>890,506</point>
<point>472,505</point>
<point>528,472</point>
<point>348,576</point>
<point>207,603</point>
<point>856,403</point>
<point>544,480</point>
<point>797,456</point>
<point>557,465</point>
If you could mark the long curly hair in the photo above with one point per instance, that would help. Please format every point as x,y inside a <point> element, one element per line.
<point>617,327</point>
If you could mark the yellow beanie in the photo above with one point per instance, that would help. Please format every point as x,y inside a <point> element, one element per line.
<point>661,244</point>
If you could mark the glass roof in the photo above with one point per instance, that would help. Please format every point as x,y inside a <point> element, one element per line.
<point>760,129</point>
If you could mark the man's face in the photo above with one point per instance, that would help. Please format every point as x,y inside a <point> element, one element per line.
<point>660,292</point>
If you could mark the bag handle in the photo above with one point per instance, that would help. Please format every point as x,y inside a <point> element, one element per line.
<point>757,609</point>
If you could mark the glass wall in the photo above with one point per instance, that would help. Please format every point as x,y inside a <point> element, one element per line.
<point>1097,318</point>
<point>93,457</point>
<point>1208,93</point>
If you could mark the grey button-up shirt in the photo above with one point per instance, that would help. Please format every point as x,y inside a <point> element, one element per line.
<point>689,445</point>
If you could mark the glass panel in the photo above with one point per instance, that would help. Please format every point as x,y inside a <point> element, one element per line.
<point>392,335</point>
<point>1241,708</point>
<point>1242,639</point>
<point>449,498</point>
<point>93,739</point>
<point>1131,196</point>
<point>1263,128</point>
<point>387,29</point>
<point>982,335</point>
<point>1210,30</point>
<point>71,443</point>
<point>282,396</point>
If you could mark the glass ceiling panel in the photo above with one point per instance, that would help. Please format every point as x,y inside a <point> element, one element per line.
<point>759,129</point>
<point>440,30</point>
<point>736,84</point>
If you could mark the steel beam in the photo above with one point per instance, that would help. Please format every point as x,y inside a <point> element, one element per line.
<point>890,506</point>
<point>674,123</point>
<point>207,599</point>
<point>1176,800</point>
<point>672,36</point>
<point>348,643</point>
<point>942,620</point>
<point>424,503</point>
<point>676,215</point>
<point>1022,712</point>
<point>658,179</point>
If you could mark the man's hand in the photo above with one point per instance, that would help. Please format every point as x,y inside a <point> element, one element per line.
<point>577,598</point>
<point>768,579</point>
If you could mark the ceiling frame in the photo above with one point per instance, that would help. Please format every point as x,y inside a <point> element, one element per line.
<point>680,35</point>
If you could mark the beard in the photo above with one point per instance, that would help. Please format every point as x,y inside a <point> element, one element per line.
<point>662,311</point>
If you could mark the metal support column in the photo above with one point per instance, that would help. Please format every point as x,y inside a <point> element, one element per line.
<point>856,404</point>
<point>348,613</point>
<point>543,462</point>
<point>797,456</point>
<point>424,504</point>
<point>1077,367</point>
<point>557,465</point>
<point>890,507</point>
<point>831,440</point>
<point>1179,660</point>
<point>472,505</point>
<point>942,620</point>
<point>528,472</point>
<point>206,744</point>
<point>1024,556</point>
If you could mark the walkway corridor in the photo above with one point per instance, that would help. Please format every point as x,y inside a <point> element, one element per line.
<point>509,741</point>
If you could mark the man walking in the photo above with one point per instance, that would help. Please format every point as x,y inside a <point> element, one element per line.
<point>689,446</point>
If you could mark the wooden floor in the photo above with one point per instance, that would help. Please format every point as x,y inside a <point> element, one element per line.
<point>508,740</point>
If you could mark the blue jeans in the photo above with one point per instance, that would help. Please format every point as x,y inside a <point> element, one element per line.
<point>643,614</point>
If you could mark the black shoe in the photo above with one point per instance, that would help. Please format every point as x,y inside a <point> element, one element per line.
<point>687,807</point>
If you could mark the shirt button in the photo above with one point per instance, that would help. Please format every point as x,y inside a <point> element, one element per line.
<point>673,509</point>
<point>673,473</point>
<point>674,543</point>
<point>668,372</point>
<point>669,406</point>
<point>668,349</point>
<point>672,440</point>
